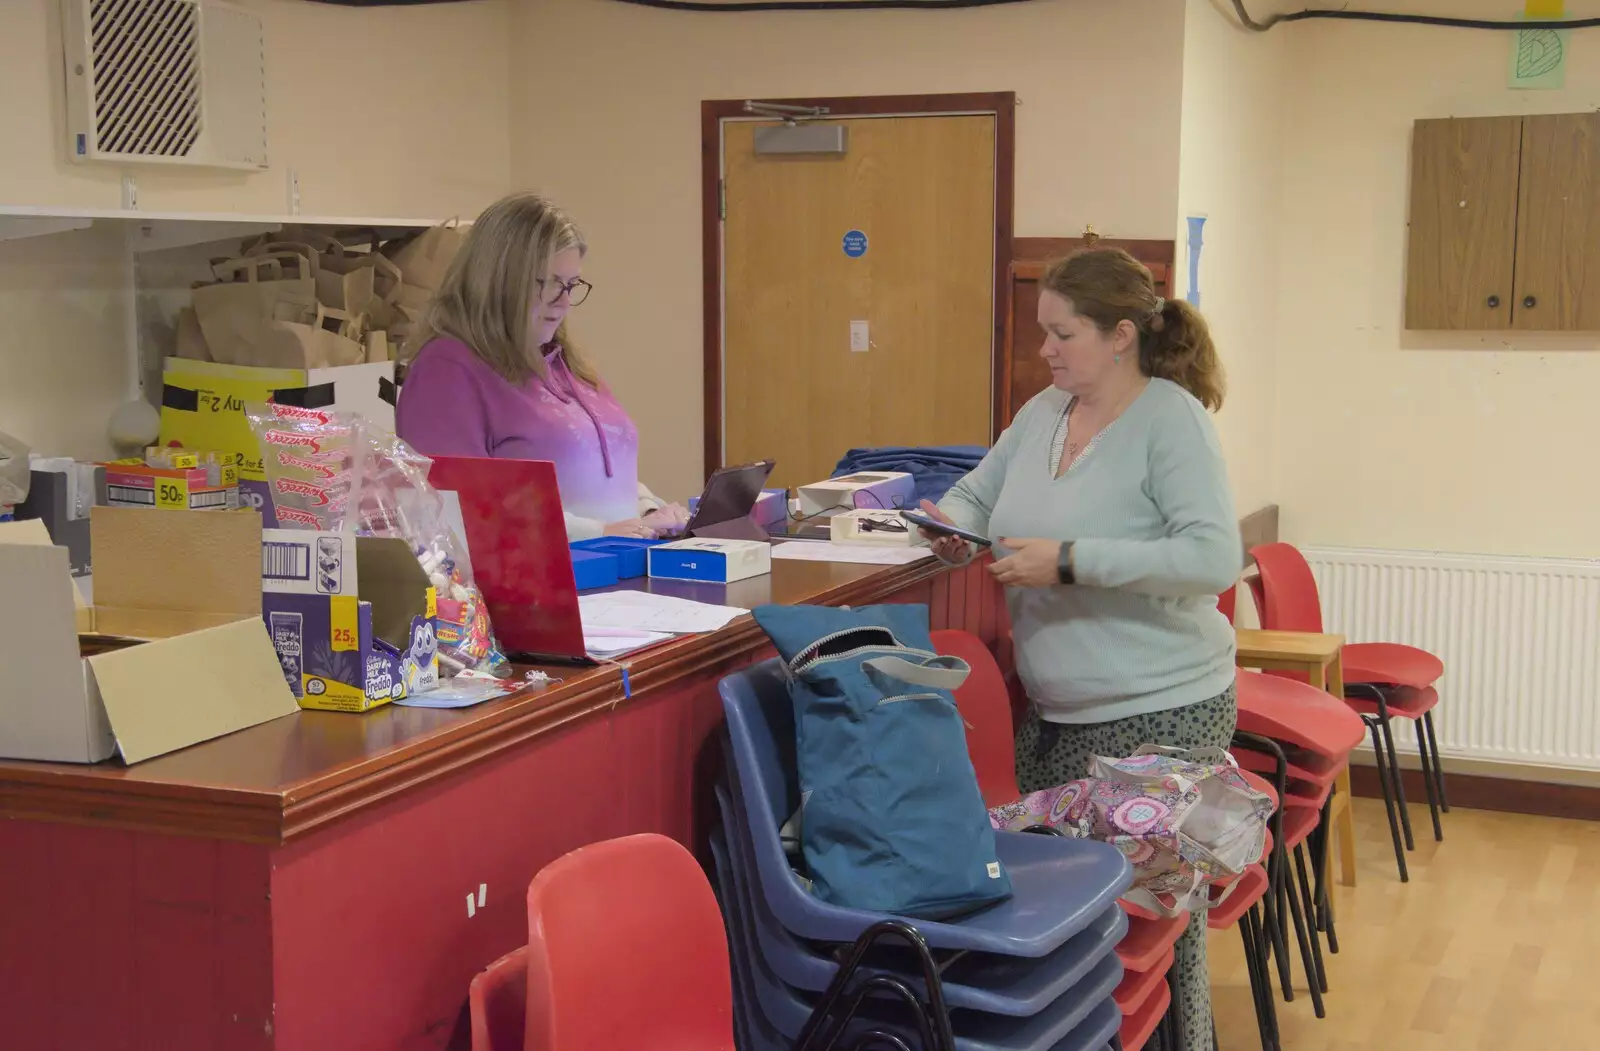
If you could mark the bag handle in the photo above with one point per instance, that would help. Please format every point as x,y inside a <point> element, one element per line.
<point>252,265</point>
<point>936,673</point>
<point>287,248</point>
<point>368,236</point>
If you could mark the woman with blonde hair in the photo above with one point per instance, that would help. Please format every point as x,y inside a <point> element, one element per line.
<point>1114,477</point>
<point>494,372</point>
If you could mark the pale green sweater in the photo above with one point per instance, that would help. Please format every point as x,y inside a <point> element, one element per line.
<point>1155,541</point>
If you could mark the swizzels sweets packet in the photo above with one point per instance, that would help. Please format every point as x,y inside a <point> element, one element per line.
<point>312,459</point>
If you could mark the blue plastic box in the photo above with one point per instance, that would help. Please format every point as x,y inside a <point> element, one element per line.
<point>629,552</point>
<point>593,569</point>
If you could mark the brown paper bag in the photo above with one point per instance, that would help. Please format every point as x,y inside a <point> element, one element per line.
<point>377,346</point>
<point>233,313</point>
<point>331,339</point>
<point>348,249</point>
<point>191,342</point>
<point>424,257</point>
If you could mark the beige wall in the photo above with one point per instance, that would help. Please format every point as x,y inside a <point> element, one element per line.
<point>610,127</point>
<point>1473,442</point>
<point>399,112</point>
<point>1230,170</point>
<point>392,112</point>
<point>64,308</point>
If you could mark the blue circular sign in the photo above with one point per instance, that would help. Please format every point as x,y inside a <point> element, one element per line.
<point>855,244</point>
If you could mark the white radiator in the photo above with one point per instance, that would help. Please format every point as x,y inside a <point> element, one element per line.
<point>1519,637</point>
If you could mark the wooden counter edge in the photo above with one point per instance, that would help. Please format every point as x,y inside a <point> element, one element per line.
<point>276,817</point>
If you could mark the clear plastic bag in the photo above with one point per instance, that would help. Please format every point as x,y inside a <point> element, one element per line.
<point>331,470</point>
<point>397,500</point>
<point>313,462</point>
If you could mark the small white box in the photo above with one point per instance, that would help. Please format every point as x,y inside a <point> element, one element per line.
<point>711,560</point>
<point>866,490</point>
<point>882,528</point>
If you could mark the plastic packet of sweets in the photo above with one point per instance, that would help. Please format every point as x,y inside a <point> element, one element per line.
<point>312,459</point>
<point>396,499</point>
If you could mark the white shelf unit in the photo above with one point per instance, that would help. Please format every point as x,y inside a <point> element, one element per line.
<point>163,253</point>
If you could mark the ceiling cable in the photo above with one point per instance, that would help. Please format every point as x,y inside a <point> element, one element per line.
<point>1345,15</point>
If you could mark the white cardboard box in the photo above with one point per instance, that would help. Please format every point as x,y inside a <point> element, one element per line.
<point>173,653</point>
<point>711,560</point>
<point>864,490</point>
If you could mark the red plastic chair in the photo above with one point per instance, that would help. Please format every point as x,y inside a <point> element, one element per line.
<point>497,1002</point>
<point>985,706</point>
<point>626,949</point>
<point>1382,681</point>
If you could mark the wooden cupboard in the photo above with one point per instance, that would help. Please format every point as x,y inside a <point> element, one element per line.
<point>1505,224</point>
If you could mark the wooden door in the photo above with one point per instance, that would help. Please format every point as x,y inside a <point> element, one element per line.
<point>922,191</point>
<point>1558,224</point>
<point>1463,223</point>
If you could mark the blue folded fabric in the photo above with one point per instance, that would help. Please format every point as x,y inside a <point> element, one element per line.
<point>934,468</point>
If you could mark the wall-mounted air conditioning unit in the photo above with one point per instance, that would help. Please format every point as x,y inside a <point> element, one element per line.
<point>165,82</point>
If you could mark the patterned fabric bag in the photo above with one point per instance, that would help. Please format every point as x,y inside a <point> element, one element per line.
<point>1184,819</point>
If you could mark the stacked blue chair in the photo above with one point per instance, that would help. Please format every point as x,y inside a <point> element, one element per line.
<point>1034,972</point>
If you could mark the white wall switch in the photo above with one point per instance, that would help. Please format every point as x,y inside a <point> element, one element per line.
<point>858,337</point>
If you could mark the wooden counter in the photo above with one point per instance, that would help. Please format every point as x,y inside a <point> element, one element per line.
<point>304,885</point>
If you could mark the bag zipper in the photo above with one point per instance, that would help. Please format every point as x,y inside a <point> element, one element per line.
<point>801,662</point>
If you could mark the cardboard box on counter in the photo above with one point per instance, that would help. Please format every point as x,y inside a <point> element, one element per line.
<point>351,618</point>
<point>172,653</point>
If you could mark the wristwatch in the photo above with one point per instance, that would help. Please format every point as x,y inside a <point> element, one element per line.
<point>1064,565</point>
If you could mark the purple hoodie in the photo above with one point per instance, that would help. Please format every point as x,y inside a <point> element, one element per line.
<point>452,404</point>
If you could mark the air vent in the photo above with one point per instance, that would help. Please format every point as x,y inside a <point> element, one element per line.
<point>165,82</point>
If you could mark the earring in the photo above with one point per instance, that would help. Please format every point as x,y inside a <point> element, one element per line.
<point>1116,359</point>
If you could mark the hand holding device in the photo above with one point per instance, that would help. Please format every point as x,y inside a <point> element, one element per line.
<point>948,540</point>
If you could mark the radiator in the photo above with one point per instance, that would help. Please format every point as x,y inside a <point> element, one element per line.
<point>1519,637</point>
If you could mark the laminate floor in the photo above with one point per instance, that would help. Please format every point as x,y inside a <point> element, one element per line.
<point>1492,945</point>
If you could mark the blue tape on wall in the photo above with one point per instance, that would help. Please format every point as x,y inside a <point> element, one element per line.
<point>1196,240</point>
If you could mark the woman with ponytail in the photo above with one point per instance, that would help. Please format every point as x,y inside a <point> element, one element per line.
<point>1108,503</point>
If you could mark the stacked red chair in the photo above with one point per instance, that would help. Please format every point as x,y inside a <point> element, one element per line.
<point>1382,682</point>
<point>1145,995</point>
<point>626,949</point>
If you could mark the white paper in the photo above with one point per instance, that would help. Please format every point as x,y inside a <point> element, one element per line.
<point>866,554</point>
<point>616,643</point>
<point>640,611</point>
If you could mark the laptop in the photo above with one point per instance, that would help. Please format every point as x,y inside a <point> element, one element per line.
<point>725,507</point>
<point>517,540</point>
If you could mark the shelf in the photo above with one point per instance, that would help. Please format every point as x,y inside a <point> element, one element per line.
<point>158,231</point>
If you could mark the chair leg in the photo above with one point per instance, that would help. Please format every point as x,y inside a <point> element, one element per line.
<point>1290,900</point>
<point>1260,978</point>
<point>1428,781</point>
<point>1398,781</point>
<point>1388,800</point>
<point>1319,973</point>
<point>1322,840</point>
<point>1278,941</point>
<point>1438,768</point>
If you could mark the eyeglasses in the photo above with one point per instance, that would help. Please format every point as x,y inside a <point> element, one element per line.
<point>576,290</point>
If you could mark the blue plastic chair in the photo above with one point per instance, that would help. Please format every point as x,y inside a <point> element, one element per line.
<point>1060,886</point>
<point>1082,1020</point>
<point>1003,985</point>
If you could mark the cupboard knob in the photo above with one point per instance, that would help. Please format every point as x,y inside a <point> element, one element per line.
<point>1494,301</point>
<point>1529,301</point>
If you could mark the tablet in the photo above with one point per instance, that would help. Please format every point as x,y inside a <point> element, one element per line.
<point>729,498</point>
<point>933,525</point>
